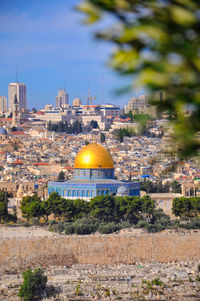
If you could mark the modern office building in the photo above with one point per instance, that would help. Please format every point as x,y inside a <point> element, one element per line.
<point>62,100</point>
<point>3,105</point>
<point>93,176</point>
<point>18,89</point>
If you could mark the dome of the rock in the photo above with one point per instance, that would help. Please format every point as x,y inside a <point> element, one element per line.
<point>93,156</point>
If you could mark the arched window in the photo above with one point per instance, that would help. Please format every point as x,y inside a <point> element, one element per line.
<point>79,193</point>
<point>69,192</point>
<point>88,193</point>
<point>73,192</point>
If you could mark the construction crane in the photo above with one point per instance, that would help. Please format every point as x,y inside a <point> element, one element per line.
<point>89,98</point>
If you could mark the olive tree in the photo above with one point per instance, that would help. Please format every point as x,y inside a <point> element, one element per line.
<point>157,43</point>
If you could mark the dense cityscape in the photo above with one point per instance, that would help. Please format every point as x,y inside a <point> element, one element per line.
<point>99,150</point>
<point>42,153</point>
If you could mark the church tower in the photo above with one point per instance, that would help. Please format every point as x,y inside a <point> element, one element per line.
<point>16,112</point>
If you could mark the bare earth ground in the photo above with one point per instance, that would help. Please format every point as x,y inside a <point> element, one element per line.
<point>179,280</point>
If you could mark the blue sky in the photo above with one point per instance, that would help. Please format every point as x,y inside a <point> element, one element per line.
<point>51,48</point>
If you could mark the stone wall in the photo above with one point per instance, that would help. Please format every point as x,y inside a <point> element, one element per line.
<point>99,249</point>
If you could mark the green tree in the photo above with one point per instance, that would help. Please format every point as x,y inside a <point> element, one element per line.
<point>195,203</point>
<point>53,203</point>
<point>81,208</point>
<point>157,42</point>
<point>34,110</point>
<point>176,187</point>
<point>3,211</point>
<point>122,132</point>
<point>130,115</point>
<point>61,176</point>
<point>102,137</point>
<point>3,205</point>
<point>67,209</point>
<point>148,207</point>
<point>182,207</point>
<point>151,187</point>
<point>31,206</point>
<point>13,129</point>
<point>94,124</point>
<point>46,210</point>
<point>36,209</point>
<point>34,284</point>
<point>102,207</point>
<point>141,120</point>
<point>76,127</point>
<point>130,208</point>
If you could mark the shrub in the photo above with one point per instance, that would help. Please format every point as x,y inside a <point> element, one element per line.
<point>51,223</point>
<point>26,224</point>
<point>109,228</point>
<point>86,226</point>
<point>163,223</point>
<point>157,282</point>
<point>34,284</point>
<point>154,228</point>
<point>36,221</point>
<point>193,224</point>
<point>59,227</point>
<point>141,224</point>
<point>126,225</point>
<point>69,229</point>
<point>84,229</point>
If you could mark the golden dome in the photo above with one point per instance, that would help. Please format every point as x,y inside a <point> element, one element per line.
<point>93,156</point>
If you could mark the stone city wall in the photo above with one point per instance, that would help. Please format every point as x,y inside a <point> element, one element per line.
<point>99,249</point>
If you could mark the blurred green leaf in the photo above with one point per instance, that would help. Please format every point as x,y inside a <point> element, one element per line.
<point>158,43</point>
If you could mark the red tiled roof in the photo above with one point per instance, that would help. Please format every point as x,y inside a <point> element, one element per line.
<point>6,119</point>
<point>40,113</point>
<point>68,167</point>
<point>40,164</point>
<point>18,162</point>
<point>17,133</point>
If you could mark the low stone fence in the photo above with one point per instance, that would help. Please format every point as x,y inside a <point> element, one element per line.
<point>99,249</point>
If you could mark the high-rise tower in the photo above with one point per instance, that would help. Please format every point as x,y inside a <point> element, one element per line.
<point>62,100</point>
<point>18,89</point>
<point>3,104</point>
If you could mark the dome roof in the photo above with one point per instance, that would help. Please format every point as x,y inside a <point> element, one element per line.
<point>122,190</point>
<point>93,156</point>
<point>3,131</point>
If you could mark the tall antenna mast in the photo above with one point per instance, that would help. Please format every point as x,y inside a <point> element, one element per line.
<point>16,74</point>
<point>103,88</point>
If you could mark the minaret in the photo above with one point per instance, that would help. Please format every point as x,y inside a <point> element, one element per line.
<point>46,131</point>
<point>16,112</point>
